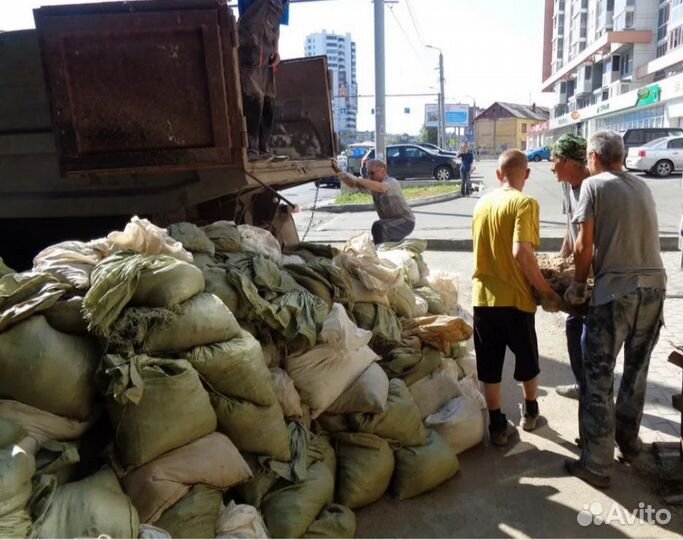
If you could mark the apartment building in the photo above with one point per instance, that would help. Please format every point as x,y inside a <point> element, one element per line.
<point>341,58</point>
<point>613,64</point>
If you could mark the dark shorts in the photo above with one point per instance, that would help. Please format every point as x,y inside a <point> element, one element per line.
<point>498,327</point>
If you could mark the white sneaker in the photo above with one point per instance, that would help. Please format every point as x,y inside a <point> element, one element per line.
<point>570,391</point>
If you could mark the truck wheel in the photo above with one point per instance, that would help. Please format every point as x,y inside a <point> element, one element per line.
<point>443,173</point>
<point>663,168</point>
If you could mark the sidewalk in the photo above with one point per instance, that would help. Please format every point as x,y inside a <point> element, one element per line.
<point>522,490</point>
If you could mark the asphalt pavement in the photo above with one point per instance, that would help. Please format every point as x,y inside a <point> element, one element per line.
<point>451,221</point>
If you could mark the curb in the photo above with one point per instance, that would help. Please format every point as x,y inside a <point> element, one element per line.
<point>667,243</point>
<point>343,208</point>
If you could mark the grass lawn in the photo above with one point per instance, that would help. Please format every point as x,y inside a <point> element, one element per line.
<point>410,193</point>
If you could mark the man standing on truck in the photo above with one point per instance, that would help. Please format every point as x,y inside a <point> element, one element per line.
<point>396,219</point>
<point>505,233</point>
<point>259,33</point>
<point>569,166</point>
<point>619,236</point>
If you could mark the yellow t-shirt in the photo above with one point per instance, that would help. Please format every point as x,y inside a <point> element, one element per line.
<point>501,218</point>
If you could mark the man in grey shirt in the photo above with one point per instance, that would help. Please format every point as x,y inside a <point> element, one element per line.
<point>619,235</point>
<point>396,219</point>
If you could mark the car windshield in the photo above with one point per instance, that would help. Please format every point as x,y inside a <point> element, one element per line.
<point>657,142</point>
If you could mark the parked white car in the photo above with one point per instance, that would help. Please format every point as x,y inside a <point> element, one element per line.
<point>660,157</point>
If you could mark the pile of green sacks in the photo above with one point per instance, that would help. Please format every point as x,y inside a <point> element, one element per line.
<point>123,370</point>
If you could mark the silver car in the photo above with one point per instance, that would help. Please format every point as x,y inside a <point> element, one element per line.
<point>660,157</point>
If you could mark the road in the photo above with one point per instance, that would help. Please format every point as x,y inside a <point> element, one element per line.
<point>452,219</point>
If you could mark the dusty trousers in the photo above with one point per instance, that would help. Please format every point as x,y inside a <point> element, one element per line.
<point>632,321</point>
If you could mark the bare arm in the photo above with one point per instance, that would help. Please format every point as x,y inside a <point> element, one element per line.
<point>361,183</point>
<point>525,257</point>
<point>583,251</point>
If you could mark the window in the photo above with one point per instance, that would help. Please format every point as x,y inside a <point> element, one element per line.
<point>412,153</point>
<point>523,145</point>
<point>523,129</point>
<point>393,153</point>
<point>629,20</point>
<point>675,143</point>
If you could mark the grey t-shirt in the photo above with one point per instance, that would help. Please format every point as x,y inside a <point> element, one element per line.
<point>569,204</point>
<point>392,204</point>
<point>626,241</point>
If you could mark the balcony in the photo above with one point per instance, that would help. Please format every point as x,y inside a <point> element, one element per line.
<point>598,47</point>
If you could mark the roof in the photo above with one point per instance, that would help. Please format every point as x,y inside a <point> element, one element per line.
<point>523,111</point>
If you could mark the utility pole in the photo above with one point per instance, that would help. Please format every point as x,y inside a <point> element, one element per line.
<point>442,108</point>
<point>380,83</point>
<point>442,99</point>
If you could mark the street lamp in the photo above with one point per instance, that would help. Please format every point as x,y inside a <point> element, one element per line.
<point>442,97</point>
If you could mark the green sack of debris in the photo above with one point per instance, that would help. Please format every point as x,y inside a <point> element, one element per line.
<point>155,404</point>
<point>58,459</point>
<point>434,300</point>
<point>380,320</point>
<point>217,283</point>
<point>191,237</point>
<point>289,510</point>
<point>411,365</point>
<point>140,280</point>
<point>335,521</point>
<point>339,278</point>
<point>10,432</point>
<point>224,235</point>
<point>400,422</point>
<point>67,316</point>
<point>332,423</point>
<point>201,320</point>
<point>16,469</point>
<point>422,468</point>
<point>312,281</point>
<point>195,515</point>
<point>252,428</point>
<point>89,508</point>
<point>235,368</point>
<point>253,491</point>
<point>4,269</point>
<point>25,294</point>
<point>402,300</point>
<point>365,464</point>
<point>48,369</point>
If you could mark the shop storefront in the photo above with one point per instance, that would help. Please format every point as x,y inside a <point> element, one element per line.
<point>656,105</point>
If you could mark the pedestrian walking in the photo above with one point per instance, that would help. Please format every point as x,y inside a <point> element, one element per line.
<point>506,231</point>
<point>619,237</point>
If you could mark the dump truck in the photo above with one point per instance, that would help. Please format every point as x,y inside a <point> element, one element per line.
<point>115,109</point>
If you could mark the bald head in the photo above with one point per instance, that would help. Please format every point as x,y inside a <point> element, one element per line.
<point>511,161</point>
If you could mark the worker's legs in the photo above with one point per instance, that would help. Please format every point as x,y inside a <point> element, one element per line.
<point>607,327</point>
<point>489,345</point>
<point>647,322</point>
<point>522,340</point>
<point>391,230</point>
<point>253,111</point>
<point>266,126</point>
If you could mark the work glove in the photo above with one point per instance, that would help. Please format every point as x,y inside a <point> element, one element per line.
<point>576,293</point>
<point>551,302</point>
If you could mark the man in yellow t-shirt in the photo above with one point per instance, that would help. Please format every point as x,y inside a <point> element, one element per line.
<point>505,230</point>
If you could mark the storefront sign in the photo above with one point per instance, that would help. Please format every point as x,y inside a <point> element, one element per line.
<point>648,95</point>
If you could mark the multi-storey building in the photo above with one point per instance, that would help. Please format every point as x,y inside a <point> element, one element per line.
<point>341,58</point>
<point>613,64</point>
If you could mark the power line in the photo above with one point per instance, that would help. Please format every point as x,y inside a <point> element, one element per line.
<point>410,41</point>
<point>412,18</point>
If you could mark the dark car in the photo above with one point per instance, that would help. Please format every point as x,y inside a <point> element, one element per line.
<point>329,181</point>
<point>415,161</point>
<point>434,148</point>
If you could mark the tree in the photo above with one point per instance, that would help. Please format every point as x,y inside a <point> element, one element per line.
<point>429,135</point>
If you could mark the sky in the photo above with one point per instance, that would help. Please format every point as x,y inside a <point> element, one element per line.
<point>492,49</point>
